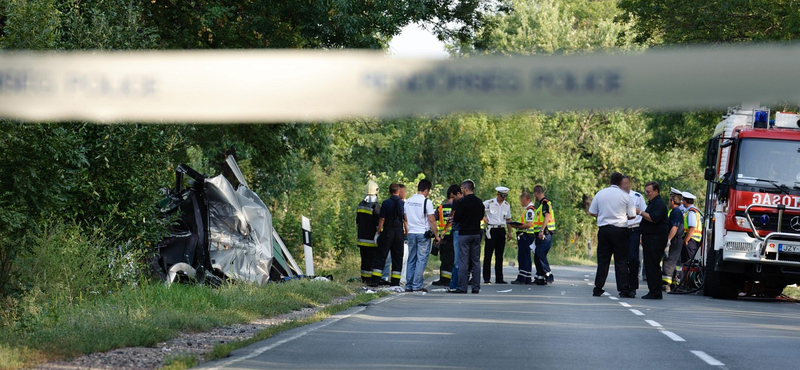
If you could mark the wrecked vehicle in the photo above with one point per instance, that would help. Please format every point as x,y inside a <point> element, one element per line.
<point>220,233</point>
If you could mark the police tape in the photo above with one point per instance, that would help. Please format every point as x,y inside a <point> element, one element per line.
<point>283,86</point>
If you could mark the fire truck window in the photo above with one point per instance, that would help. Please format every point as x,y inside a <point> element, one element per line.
<point>776,160</point>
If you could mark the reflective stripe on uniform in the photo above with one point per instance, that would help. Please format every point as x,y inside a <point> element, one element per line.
<point>366,243</point>
<point>526,274</point>
<point>365,273</point>
<point>365,210</point>
<point>395,274</point>
<point>377,273</point>
<point>447,274</point>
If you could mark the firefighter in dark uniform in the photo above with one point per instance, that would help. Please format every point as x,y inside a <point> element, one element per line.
<point>392,230</point>
<point>367,218</point>
<point>444,222</point>
<point>525,240</point>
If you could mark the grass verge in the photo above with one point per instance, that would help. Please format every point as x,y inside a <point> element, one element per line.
<point>224,349</point>
<point>792,291</point>
<point>148,314</point>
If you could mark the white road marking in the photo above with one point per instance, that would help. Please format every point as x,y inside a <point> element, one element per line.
<point>707,358</point>
<point>333,319</point>
<point>672,336</point>
<point>585,279</point>
<point>626,305</point>
<point>589,284</point>
<point>653,323</point>
<point>585,275</point>
<point>614,298</point>
<point>606,294</point>
<point>637,312</point>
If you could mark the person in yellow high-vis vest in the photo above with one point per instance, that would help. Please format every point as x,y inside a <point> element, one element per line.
<point>367,218</point>
<point>525,240</point>
<point>692,227</point>
<point>544,224</point>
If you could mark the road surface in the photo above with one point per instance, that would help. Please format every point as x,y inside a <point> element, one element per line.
<point>560,326</point>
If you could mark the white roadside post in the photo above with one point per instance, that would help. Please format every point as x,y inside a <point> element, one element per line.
<point>309,256</point>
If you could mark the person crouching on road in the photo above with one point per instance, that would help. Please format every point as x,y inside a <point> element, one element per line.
<point>613,208</point>
<point>444,223</point>
<point>498,214</point>
<point>525,239</point>
<point>367,219</point>
<point>675,240</point>
<point>392,229</point>
<point>654,229</point>
<point>468,215</point>
<point>544,225</point>
<point>421,226</point>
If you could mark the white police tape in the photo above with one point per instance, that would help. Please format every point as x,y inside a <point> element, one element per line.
<point>280,85</point>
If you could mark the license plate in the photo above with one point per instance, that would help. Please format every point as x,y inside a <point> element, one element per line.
<point>788,248</point>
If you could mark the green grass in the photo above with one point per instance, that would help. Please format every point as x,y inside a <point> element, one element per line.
<point>180,362</point>
<point>149,314</point>
<point>224,349</point>
<point>793,292</point>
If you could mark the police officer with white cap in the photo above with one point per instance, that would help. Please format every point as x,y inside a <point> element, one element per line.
<point>673,191</point>
<point>498,214</point>
<point>692,227</point>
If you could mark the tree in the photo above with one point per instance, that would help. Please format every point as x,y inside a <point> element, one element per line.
<point>549,26</point>
<point>305,24</point>
<point>711,21</point>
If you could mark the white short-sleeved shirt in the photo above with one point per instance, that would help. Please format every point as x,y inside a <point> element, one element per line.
<point>612,206</point>
<point>497,213</point>
<point>691,217</point>
<point>638,202</point>
<point>417,219</point>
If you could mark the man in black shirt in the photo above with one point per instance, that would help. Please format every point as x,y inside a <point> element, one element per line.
<point>468,214</point>
<point>654,229</point>
<point>391,227</point>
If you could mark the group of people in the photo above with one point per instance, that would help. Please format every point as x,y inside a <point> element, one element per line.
<point>454,230</point>
<point>668,235</point>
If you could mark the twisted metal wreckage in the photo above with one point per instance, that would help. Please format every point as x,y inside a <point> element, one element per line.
<point>221,233</point>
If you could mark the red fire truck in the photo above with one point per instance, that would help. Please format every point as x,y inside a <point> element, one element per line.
<point>752,223</point>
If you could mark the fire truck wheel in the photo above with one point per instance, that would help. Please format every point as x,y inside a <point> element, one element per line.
<point>718,284</point>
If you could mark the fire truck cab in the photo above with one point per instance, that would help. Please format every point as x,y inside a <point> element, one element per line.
<point>752,208</point>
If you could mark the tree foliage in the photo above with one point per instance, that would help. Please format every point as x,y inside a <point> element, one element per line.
<point>711,21</point>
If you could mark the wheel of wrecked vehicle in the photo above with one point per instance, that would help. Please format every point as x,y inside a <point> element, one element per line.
<point>719,284</point>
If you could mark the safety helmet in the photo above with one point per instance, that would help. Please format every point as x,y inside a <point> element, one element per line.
<point>371,188</point>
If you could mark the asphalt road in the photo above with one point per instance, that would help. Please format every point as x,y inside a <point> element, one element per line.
<point>538,327</point>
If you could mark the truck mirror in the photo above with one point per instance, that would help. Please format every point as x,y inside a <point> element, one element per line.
<point>710,174</point>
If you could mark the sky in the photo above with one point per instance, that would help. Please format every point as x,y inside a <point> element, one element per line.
<point>415,42</point>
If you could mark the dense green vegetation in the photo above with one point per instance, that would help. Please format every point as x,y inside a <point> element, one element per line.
<point>76,199</point>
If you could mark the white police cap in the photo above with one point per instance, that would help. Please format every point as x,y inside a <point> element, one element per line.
<point>688,195</point>
<point>675,191</point>
<point>502,189</point>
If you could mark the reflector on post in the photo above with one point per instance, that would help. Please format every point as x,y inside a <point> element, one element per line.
<point>309,256</point>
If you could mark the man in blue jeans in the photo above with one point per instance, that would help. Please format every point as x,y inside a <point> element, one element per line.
<point>421,225</point>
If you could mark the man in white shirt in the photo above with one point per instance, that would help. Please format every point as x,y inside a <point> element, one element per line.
<point>421,225</point>
<point>498,213</point>
<point>613,208</point>
<point>634,236</point>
